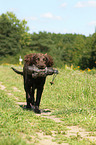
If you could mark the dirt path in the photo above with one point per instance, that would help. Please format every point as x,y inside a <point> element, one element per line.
<point>72,130</point>
<point>2,87</point>
<point>47,139</point>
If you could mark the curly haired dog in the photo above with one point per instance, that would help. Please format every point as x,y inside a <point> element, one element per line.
<point>30,84</point>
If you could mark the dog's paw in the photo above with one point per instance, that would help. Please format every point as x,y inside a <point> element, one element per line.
<point>28,106</point>
<point>36,110</point>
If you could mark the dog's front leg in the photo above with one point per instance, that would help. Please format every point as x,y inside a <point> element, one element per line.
<point>32,96</point>
<point>28,98</point>
<point>38,98</point>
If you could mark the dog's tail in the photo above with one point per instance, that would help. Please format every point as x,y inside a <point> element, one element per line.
<point>18,72</point>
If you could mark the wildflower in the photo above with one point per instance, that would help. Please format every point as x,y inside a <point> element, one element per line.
<point>78,66</point>
<point>89,69</point>
<point>71,66</point>
<point>5,63</point>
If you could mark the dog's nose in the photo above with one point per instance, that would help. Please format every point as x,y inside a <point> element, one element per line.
<point>42,66</point>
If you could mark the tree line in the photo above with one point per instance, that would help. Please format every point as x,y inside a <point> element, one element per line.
<point>70,49</point>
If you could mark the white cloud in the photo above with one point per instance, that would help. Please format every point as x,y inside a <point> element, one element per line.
<point>31,18</point>
<point>90,3</point>
<point>64,5</point>
<point>51,16</point>
<point>47,15</point>
<point>92,23</point>
<point>80,5</point>
<point>58,17</point>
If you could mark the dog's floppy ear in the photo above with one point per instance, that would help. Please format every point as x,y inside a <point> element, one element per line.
<point>30,58</point>
<point>49,60</point>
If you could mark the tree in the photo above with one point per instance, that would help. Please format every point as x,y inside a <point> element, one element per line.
<point>67,54</point>
<point>12,34</point>
<point>92,60</point>
<point>41,42</point>
<point>79,48</point>
<point>88,59</point>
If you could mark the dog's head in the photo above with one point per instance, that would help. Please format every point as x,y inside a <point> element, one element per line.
<point>39,59</point>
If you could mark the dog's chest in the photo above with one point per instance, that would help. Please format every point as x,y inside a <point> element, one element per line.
<point>40,81</point>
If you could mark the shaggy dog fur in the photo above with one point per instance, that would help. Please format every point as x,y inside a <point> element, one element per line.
<point>30,84</point>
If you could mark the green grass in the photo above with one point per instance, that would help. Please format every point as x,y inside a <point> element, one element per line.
<point>72,99</point>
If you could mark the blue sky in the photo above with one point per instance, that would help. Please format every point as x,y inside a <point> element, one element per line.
<point>58,16</point>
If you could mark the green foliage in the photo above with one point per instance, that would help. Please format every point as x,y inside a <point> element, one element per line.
<point>12,32</point>
<point>71,49</point>
<point>40,42</point>
<point>93,52</point>
<point>88,59</point>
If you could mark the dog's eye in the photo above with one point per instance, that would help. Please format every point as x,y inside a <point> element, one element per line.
<point>44,59</point>
<point>38,59</point>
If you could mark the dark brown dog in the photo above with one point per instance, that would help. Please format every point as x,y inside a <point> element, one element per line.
<point>30,84</point>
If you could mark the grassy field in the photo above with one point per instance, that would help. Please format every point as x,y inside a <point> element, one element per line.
<point>69,104</point>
